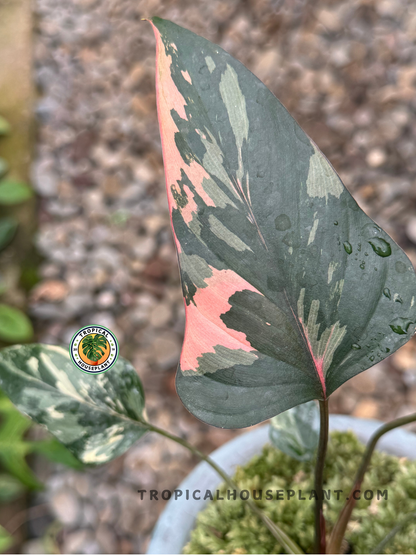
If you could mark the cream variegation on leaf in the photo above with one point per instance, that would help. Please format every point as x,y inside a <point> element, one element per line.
<point>97,417</point>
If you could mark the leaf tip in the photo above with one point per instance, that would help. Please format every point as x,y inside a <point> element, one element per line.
<point>152,20</point>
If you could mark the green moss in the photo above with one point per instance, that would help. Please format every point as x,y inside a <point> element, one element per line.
<point>230,527</point>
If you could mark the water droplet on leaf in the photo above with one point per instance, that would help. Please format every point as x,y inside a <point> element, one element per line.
<point>401,325</point>
<point>335,223</point>
<point>355,346</point>
<point>362,265</point>
<point>347,247</point>
<point>400,267</point>
<point>386,293</point>
<point>282,222</point>
<point>380,247</point>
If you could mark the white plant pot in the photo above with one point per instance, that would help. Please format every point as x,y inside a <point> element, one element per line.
<point>174,526</point>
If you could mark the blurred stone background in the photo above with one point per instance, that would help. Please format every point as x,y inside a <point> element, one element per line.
<point>346,70</point>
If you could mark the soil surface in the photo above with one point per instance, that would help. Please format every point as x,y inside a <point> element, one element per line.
<point>346,70</point>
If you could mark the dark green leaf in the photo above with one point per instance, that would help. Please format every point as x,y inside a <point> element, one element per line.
<point>97,417</point>
<point>13,192</point>
<point>14,325</point>
<point>8,227</point>
<point>296,431</point>
<point>283,274</point>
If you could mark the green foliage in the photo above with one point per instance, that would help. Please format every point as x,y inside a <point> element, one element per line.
<point>6,540</point>
<point>4,126</point>
<point>16,476</point>
<point>14,448</point>
<point>10,487</point>
<point>55,452</point>
<point>29,275</point>
<point>4,167</point>
<point>94,347</point>
<point>14,192</point>
<point>14,325</point>
<point>8,228</point>
<point>296,431</point>
<point>96,417</point>
<point>230,527</point>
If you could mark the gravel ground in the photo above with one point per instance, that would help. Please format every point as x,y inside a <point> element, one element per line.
<point>346,70</point>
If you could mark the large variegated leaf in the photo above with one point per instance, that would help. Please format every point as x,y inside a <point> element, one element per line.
<point>97,417</point>
<point>290,288</point>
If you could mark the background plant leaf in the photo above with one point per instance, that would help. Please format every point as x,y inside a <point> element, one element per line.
<point>4,167</point>
<point>14,324</point>
<point>13,192</point>
<point>56,452</point>
<point>296,431</point>
<point>290,288</point>
<point>8,228</point>
<point>6,540</point>
<point>97,417</point>
<point>4,126</point>
<point>10,488</point>
<point>13,447</point>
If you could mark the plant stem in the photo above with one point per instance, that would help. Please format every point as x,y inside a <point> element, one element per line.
<point>287,543</point>
<point>320,539</point>
<point>380,547</point>
<point>341,525</point>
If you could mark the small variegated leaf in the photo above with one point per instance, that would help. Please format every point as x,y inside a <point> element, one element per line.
<point>290,288</point>
<point>296,431</point>
<point>97,417</point>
